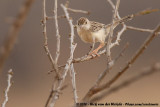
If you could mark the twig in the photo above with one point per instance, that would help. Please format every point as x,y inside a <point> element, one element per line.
<point>53,62</point>
<point>72,10</point>
<point>10,75</point>
<point>109,61</point>
<point>73,74</point>
<point>69,62</point>
<point>78,11</point>
<point>110,35</point>
<point>95,90</point>
<point>149,71</point>
<point>58,17</point>
<point>103,74</point>
<point>14,31</point>
<point>118,36</point>
<point>46,40</point>
<point>73,46</point>
<point>57,34</point>
<point>111,3</point>
<point>139,29</point>
<point>51,92</point>
<point>121,31</point>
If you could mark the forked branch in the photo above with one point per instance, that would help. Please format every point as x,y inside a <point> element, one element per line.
<point>95,90</point>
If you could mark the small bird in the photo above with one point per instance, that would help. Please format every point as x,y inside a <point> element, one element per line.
<point>92,32</point>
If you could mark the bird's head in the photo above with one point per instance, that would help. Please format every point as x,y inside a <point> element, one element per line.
<point>83,23</point>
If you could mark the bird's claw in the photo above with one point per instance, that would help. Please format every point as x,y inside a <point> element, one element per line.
<point>94,53</point>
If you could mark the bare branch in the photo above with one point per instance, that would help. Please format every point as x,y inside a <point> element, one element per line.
<point>139,29</point>
<point>46,40</point>
<point>72,73</point>
<point>118,37</point>
<point>147,72</point>
<point>14,31</point>
<point>95,90</point>
<point>110,35</point>
<point>111,3</point>
<point>57,34</point>
<point>69,62</point>
<point>72,10</point>
<point>10,75</point>
<point>78,11</point>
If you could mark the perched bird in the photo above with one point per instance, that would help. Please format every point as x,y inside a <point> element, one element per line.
<point>92,32</point>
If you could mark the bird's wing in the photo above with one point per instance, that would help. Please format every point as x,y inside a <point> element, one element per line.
<point>95,26</point>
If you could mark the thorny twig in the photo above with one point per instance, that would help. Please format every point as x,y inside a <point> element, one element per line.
<point>72,46</point>
<point>78,11</point>
<point>69,62</point>
<point>109,64</point>
<point>110,35</point>
<point>46,40</point>
<point>57,34</point>
<point>10,75</point>
<point>147,72</point>
<point>73,74</point>
<point>95,90</point>
<point>53,62</point>
<point>57,54</point>
<point>14,31</point>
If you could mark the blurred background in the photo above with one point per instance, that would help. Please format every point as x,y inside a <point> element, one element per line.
<point>30,64</point>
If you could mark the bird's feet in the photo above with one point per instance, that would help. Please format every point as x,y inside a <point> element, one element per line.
<point>94,53</point>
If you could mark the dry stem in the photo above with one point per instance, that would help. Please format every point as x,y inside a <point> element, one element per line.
<point>73,74</point>
<point>69,62</point>
<point>14,31</point>
<point>110,35</point>
<point>140,29</point>
<point>78,11</point>
<point>57,34</point>
<point>72,46</point>
<point>46,41</point>
<point>147,72</point>
<point>10,75</point>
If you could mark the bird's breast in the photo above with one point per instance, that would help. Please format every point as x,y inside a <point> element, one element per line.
<point>85,35</point>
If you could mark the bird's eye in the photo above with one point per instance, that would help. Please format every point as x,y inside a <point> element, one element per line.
<point>85,22</point>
